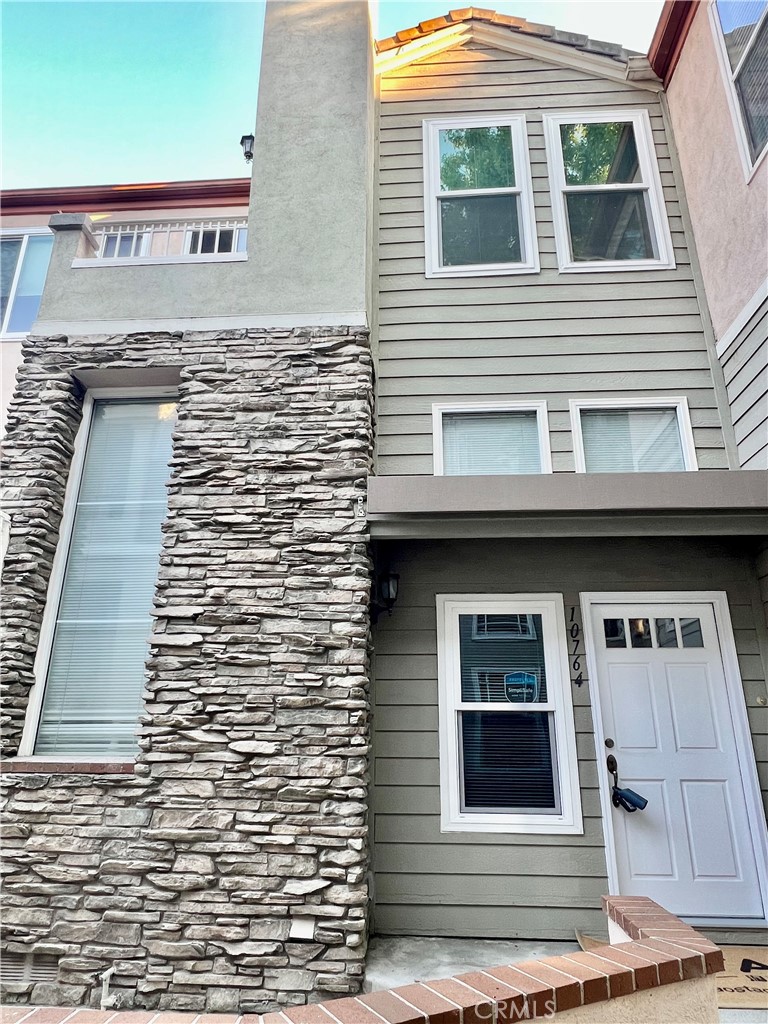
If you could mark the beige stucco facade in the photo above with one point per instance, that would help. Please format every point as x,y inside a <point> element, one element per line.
<point>729,213</point>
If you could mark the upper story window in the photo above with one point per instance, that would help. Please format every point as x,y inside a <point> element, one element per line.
<point>607,199</point>
<point>478,198</point>
<point>491,438</point>
<point>87,699</point>
<point>646,435</point>
<point>741,40</point>
<point>24,258</point>
<point>507,739</point>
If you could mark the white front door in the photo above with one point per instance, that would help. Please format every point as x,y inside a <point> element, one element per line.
<point>666,718</point>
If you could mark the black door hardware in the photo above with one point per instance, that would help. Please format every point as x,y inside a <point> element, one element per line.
<point>626,798</point>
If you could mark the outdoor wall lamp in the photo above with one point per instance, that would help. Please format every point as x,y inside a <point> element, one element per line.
<point>247,143</point>
<point>384,594</point>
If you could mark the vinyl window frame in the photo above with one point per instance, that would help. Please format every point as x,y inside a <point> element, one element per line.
<point>24,234</point>
<point>433,193</point>
<point>651,184</point>
<point>568,821</point>
<point>678,403</point>
<point>542,421</point>
<point>729,81</point>
<point>58,571</point>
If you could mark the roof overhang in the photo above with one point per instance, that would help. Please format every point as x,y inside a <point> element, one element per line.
<point>149,196</point>
<point>636,71</point>
<point>570,504</point>
<point>669,38</point>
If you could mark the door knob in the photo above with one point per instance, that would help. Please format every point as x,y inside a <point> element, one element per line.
<point>609,743</point>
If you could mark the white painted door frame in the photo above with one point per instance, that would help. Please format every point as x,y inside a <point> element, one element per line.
<point>718,599</point>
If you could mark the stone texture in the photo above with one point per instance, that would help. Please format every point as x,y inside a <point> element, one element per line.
<point>251,776</point>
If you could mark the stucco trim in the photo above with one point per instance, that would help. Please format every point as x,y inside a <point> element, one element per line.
<point>287,321</point>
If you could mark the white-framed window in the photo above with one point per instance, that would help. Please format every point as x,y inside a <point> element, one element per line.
<point>607,198</point>
<point>490,438</point>
<point>740,29</point>
<point>24,259</point>
<point>478,198</point>
<point>507,738</point>
<point>89,670</point>
<point>639,435</point>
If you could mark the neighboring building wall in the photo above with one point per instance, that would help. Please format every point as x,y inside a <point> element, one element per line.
<point>429,882</point>
<point>745,366</point>
<point>546,335</point>
<point>729,214</point>
<point>247,806</point>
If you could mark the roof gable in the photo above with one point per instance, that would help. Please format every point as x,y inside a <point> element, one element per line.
<point>514,35</point>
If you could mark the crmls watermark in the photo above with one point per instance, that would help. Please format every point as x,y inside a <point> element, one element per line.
<point>507,1011</point>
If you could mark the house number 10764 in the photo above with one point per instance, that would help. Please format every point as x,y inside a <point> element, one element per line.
<point>574,638</point>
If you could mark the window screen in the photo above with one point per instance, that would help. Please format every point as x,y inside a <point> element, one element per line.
<point>745,33</point>
<point>96,673</point>
<point>487,443</point>
<point>507,746</point>
<point>631,440</point>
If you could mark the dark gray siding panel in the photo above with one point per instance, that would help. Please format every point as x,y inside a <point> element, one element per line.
<point>496,885</point>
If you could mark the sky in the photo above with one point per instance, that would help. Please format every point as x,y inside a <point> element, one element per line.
<point>102,92</point>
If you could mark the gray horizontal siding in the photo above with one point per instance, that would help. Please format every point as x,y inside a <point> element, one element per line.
<point>496,885</point>
<point>745,366</point>
<point>547,335</point>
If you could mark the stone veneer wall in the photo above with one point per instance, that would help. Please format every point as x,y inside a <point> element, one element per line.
<point>228,870</point>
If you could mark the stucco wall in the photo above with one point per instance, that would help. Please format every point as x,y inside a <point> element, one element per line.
<point>307,244</point>
<point>729,215</point>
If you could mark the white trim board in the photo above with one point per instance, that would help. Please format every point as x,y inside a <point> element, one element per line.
<point>258,321</point>
<point>542,421</point>
<point>60,558</point>
<point>718,599</point>
<point>501,38</point>
<point>742,319</point>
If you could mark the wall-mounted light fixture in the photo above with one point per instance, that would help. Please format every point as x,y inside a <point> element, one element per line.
<point>247,142</point>
<point>384,594</point>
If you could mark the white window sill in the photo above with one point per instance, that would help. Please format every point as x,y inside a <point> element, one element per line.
<point>615,265</point>
<point>14,336</point>
<point>94,263</point>
<point>522,825</point>
<point>492,270</point>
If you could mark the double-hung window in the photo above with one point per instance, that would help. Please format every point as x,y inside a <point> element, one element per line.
<point>491,438</point>
<point>24,258</point>
<point>607,198</point>
<point>646,435</point>
<point>90,667</point>
<point>507,740</point>
<point>741,39</point>
<point>478,199</point>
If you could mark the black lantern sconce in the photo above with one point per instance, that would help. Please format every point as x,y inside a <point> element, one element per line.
<point>247,142</point>
<point>385,594</point>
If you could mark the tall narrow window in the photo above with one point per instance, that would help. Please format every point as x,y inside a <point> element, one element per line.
<point>741,32</point>
<point>508,757</point>
<point>491,439</point>
<point>607,200</point>
<point>95,674</point>
<point>478,199</point>
<point>648,437</point>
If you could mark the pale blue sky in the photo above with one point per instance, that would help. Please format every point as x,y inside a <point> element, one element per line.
<point>101,92</point>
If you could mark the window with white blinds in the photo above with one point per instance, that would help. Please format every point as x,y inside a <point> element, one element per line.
<point>508,760</point>
<point>647,439</point>
<point>491,441</point>
<point>95,676</point>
